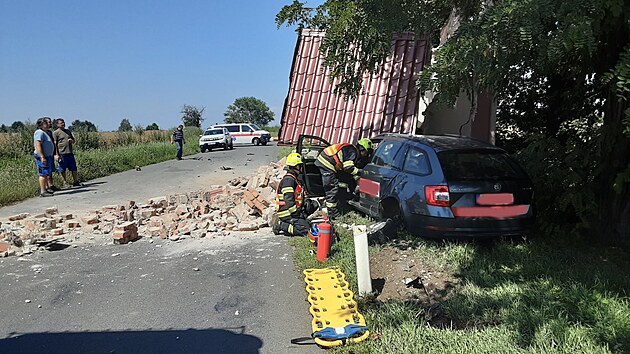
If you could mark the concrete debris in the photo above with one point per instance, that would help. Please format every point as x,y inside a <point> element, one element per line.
<point>242,204</point>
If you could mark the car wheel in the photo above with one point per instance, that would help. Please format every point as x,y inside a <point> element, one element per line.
<point>256,141</point>
<point>203,149</point>
<point>390,209</point>
<point>209,149</point>
<point>264,142</point>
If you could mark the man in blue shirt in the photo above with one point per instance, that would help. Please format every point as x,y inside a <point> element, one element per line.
<point>44,151</point>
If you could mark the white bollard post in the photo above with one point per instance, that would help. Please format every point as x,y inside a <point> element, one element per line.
<point>364,277</point>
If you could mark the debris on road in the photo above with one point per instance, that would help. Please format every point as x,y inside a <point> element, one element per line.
<point>242,204</point>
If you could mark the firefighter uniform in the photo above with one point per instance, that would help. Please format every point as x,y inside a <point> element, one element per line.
<point>337,165</point>
<point>291,206</point>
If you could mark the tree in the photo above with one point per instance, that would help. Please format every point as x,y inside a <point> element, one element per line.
<point>82,126</point>
<point>192,116</point>
<point>17,126</point>
<point>4,129</point>
<point>559,70</point>
<point>125,126</point>
<point>138,129</point>
<point>152,126</point>
<point>249,110</point>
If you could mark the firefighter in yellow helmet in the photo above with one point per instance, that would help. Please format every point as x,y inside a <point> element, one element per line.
<point>292,208</point>
<point>338,166</point>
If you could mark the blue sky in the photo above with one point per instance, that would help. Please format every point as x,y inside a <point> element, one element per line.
<point>142,60</point>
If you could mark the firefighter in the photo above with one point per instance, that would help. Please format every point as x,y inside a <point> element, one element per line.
<point>292,208</point>
<point>338,167</point>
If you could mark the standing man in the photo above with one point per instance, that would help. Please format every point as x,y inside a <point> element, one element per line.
<point>64,141</point>
<point>44,151</point>
<point>291,208</point>
<point>49,132</point>
<point>337,164</point>
<point>178,139</point>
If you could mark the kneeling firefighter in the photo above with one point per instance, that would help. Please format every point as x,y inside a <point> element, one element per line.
<point>291,207</point>
<point>338,166</point>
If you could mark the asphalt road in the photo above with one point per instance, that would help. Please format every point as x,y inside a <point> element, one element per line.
<point>234,294</point>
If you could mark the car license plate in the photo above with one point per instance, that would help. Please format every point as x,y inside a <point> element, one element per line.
<point>495,199</point>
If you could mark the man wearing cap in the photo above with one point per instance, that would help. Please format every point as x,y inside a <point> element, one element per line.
<point>338,165</point>
<point>292,208</point>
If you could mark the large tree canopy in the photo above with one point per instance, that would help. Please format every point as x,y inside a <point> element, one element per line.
<point>560,71</point>
<point>83,125</point>
<point>192,116</point>
<point>249,110</point>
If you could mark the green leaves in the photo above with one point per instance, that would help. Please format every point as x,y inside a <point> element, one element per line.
<point>249,110</point>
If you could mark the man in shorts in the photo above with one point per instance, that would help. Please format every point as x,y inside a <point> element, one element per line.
<point>44,151</point>
<point>64,140</point>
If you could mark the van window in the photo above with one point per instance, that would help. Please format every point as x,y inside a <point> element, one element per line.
<point>417,162</point>
<point>232,128</point>
<point>386,153</point>
<point>255,127</point>
<point>246,128</point>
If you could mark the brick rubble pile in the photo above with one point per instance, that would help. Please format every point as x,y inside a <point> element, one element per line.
<point>243,204</point>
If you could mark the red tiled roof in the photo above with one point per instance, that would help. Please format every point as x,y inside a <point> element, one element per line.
<point>389,102</point>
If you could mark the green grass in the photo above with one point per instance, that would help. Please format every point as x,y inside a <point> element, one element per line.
<point>284,151</point>
<point>541,296</point>
<point>20,173</point>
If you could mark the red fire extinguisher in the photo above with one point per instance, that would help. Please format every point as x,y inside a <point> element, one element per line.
<point>323,241</point>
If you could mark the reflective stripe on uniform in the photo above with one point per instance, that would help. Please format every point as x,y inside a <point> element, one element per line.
<point>290,229</point>
<point>331,205</point>
<point>284,214</point>
<point>343,185</point>
<point>287,190</point>
<point>326,164</point>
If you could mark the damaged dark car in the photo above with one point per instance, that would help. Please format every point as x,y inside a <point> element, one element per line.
<point>437,186</point>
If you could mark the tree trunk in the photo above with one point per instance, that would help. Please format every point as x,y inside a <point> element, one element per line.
<point>614,206</point>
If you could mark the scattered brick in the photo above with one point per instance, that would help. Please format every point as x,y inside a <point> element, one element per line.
<point>56,232</point>
<point>19,217</point>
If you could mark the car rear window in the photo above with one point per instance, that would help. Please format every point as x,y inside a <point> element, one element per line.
<point>478,164</point>
<point>386,153</point>
<point>213,132</point>
<point>417,162</point>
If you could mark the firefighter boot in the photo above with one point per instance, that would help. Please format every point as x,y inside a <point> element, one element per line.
<point>275,224</point>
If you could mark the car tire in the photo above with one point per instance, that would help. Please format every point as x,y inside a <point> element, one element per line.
<point>202,149</point>
<point>225,146</point>
<point>264,142</point>
<point>256,141</point>
<point>209,149</point>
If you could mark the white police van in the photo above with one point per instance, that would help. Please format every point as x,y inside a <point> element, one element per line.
<point>246,133</point>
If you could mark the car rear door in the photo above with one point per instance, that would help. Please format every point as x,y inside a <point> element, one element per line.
<point>486,183</point>
<point>379,178</point>
<point>309,146</point>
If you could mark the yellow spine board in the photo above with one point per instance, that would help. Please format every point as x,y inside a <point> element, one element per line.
<point>332,304</point>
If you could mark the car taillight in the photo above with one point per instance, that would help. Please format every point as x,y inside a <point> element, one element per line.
<point>437,195</point>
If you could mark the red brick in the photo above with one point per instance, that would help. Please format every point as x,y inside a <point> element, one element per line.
<point>19,217</point>
<point>56,232</point>
<point>4,246</point>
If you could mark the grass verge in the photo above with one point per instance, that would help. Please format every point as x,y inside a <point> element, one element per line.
<point>19,174</point>
<point>542,296</point>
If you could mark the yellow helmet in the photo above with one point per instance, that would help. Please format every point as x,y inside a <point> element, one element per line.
<point>365,143</point>
<point>294,159</point>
